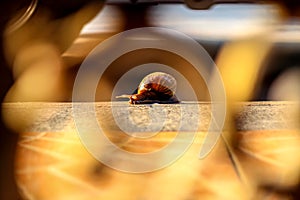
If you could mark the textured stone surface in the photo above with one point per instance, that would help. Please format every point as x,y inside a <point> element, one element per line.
<point>50,155</point>
<point>187,116</point>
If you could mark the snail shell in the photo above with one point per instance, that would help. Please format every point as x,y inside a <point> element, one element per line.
<point>157,87</point>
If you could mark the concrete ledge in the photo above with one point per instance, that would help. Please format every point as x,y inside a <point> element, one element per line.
<point>56,117</point>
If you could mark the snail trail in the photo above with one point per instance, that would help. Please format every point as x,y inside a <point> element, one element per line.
<point>157,87</point>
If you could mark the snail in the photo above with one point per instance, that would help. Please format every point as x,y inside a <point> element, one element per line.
<point>157,87</point>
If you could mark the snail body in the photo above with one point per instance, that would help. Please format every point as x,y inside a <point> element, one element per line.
<point>157,87</point>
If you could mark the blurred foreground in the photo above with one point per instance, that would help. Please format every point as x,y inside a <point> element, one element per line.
<point>51,156</point>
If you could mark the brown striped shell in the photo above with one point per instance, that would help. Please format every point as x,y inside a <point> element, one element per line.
<point>157,87</point>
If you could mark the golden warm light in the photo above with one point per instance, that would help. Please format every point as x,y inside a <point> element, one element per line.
<point>211,107</point>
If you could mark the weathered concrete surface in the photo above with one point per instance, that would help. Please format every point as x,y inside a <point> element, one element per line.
<point>51,156</point>
<point>39,117</point>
